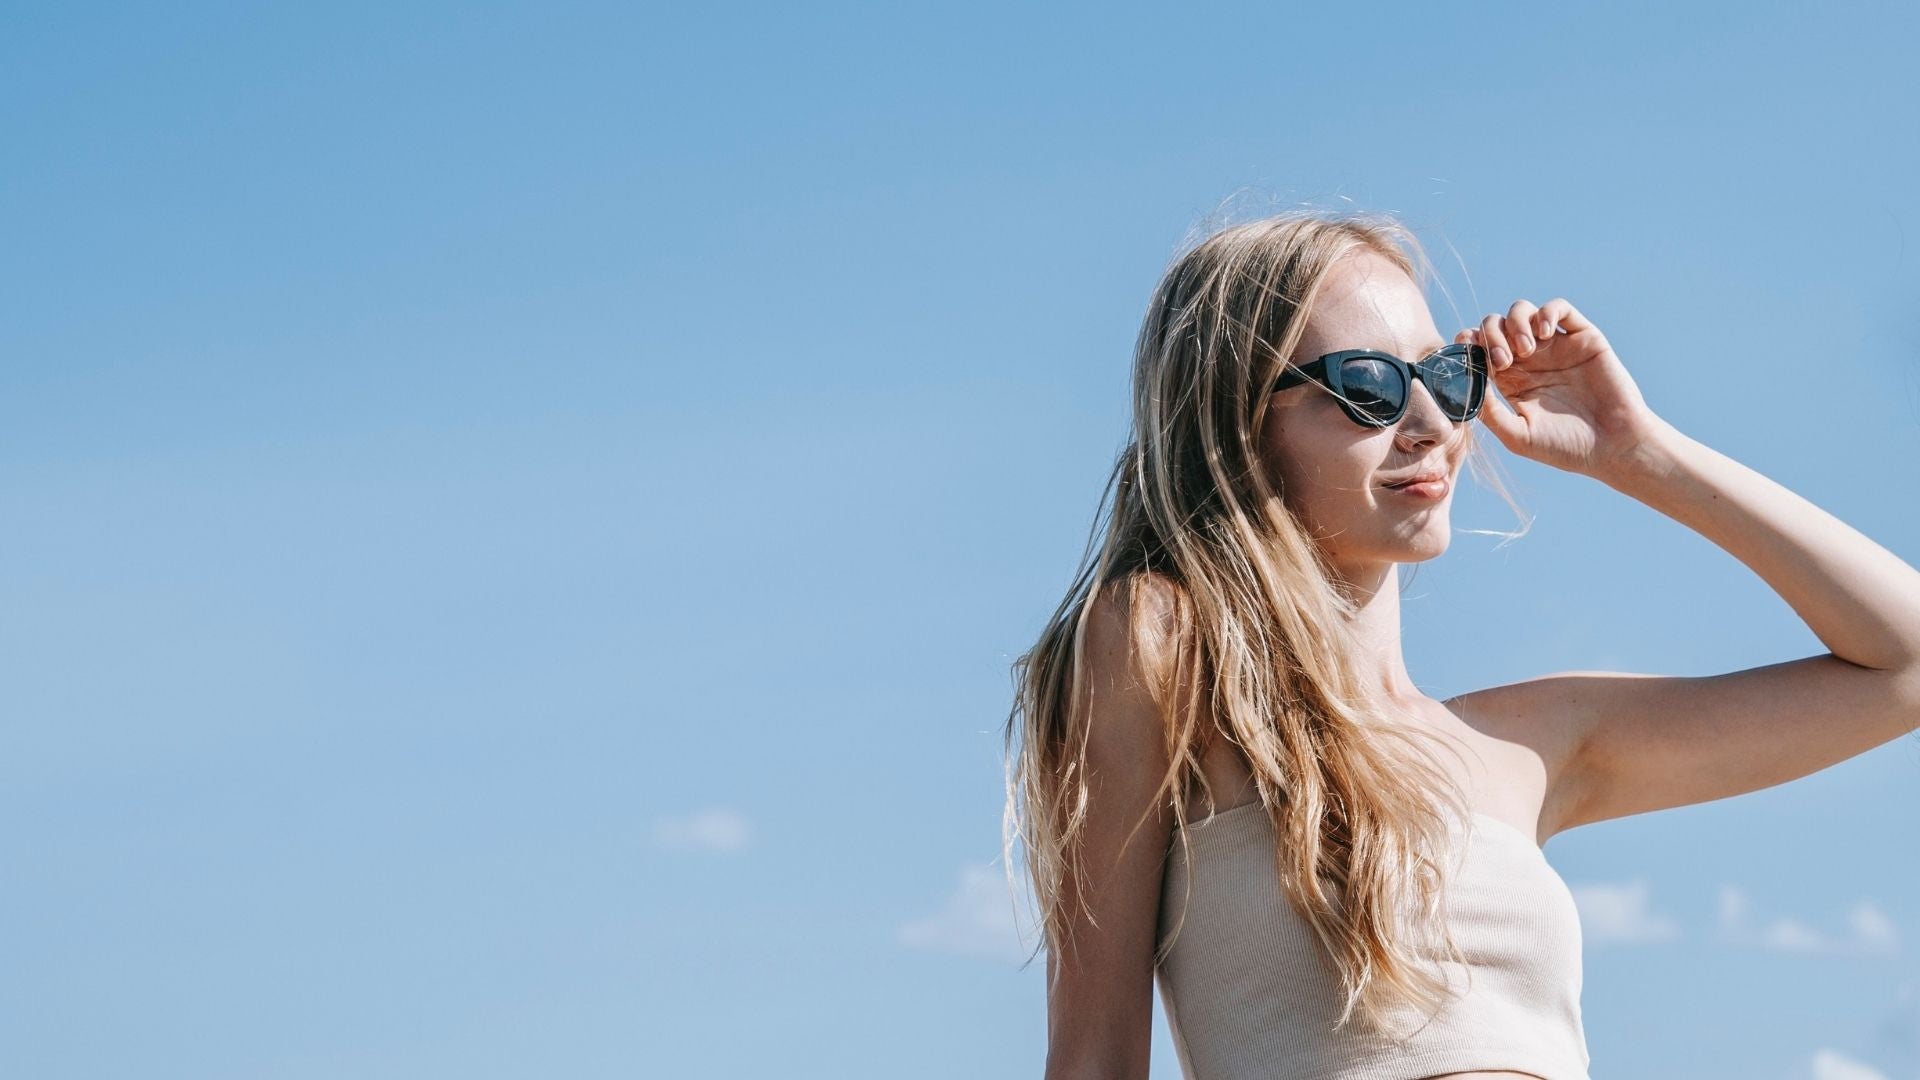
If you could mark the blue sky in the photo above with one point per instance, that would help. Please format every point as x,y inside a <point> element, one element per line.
<point>519,516</point>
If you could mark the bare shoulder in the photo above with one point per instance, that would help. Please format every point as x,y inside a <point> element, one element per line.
<point>1538,716</point>
<point>1130,631</point>
<point>1524,711</point>
<point>1150,603</point>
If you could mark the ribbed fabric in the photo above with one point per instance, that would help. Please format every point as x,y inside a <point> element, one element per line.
<point>1250,995</point>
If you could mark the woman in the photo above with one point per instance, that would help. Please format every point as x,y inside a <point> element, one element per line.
<point>1226,776</point>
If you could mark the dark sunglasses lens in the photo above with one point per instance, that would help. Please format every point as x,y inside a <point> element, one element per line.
<point>1450,376</point>
<point>1373,387</point>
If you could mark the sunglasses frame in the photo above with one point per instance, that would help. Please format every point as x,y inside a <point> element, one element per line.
<point>1326,371</point>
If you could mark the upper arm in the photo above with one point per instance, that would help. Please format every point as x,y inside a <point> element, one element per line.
<point>1651,742</point>
<point>1100,1002</point>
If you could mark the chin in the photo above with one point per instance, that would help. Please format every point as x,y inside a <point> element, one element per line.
<point>1430,544</point>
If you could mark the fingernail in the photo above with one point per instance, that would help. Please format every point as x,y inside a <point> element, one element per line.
<point>1525,343</point>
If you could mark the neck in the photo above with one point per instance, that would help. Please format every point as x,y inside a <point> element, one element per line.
<point>1374,591</point>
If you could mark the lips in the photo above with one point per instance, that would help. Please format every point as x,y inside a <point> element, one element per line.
<point>1422,478</point>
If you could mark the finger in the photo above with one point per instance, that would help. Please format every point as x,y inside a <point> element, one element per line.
<point>1557,313</point>
<point>1494,337</point>
<point>1520,326</point>
<point>1468,336</point>
<point>1472,336</point>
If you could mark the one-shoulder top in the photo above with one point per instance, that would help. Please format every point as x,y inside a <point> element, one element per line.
<point>1249,992</point>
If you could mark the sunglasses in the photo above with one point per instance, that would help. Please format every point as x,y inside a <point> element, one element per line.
<point>1374,387</point>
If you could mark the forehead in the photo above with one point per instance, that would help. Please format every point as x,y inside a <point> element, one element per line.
<point>1367,302</point>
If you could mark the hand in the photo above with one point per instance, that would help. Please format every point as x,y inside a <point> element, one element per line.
<point>1568,400</point>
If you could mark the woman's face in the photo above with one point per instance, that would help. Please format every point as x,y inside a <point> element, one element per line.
<point>1332,472</point>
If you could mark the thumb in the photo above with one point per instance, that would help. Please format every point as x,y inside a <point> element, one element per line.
<point>1499,416</point>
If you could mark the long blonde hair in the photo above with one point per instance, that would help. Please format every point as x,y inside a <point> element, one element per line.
<point>1258,649</point>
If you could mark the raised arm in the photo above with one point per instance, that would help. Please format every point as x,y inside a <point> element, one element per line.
<point>1648,742</point>
<point>1651,742</point>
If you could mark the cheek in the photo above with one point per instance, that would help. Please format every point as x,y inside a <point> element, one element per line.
<point>1321,461</point>
<point>1327,482</point>
<point>1290,465</point>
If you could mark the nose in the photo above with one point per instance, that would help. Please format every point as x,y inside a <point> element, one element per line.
<point>1424,420</point>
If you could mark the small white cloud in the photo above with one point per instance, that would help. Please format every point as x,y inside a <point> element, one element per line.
<point>1620,913</point>
<point>1872,930</point>
<point>1787,935</point>
<point>978,919</point>
<point>705,830</point>
<point>1833,1065</point>
<point>1734,908</point>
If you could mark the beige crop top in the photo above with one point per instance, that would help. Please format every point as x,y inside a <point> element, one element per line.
<point>1249,993</point>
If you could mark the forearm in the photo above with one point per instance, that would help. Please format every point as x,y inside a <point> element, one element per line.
<point>1860,599</point>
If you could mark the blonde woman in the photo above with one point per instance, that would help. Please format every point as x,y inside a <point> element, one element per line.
<point>1224,776</point>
